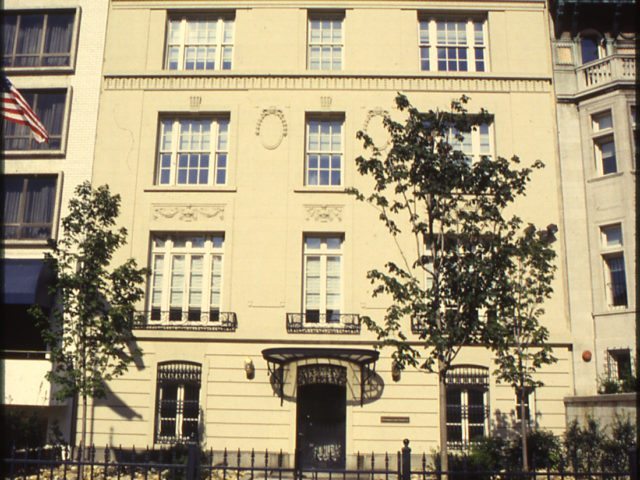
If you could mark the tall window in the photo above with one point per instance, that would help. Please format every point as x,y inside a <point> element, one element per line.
<point>325,41</point>
<point>475,144</point>
<point>31,39</point>
<point>591,48</point>
<point>619,363</point>
<point>603,143</point>
<point>193,151</point>
<point>467,406</point>
<point>528,397</point>
<point>322,279</point>
<point>614,265</point>
<point>29,205</point>
<point>49,105</point>
<point>202,43</point>
<point>178,402</point>
<point>453,45</point>
<point>186,279</point>
<point>324,152</point>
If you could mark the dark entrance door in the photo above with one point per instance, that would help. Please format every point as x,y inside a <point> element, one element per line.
<point>321,425</point>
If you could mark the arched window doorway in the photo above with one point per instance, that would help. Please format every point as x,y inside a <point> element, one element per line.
<point>591,47</point>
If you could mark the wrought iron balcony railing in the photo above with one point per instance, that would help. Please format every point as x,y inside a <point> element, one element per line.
<point>315,322</point>
<point>192,319</point>
<point>605,71</point>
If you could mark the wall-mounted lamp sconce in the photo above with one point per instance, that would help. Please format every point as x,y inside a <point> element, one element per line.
<point>249,368</point>
<point>396,371</point>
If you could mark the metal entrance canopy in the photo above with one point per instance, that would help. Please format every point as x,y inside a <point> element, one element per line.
<point>280,357</point>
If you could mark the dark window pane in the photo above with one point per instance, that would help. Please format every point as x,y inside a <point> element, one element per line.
<point>589,49</point>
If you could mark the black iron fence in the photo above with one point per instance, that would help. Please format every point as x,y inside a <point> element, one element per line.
<point>189,462</point>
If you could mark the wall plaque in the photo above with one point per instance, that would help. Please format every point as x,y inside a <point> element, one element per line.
<point>394,419</point>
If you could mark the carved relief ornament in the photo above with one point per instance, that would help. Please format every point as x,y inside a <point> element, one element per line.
<point>272,132</point>
<point>187,213</point>
<point>324,213</point>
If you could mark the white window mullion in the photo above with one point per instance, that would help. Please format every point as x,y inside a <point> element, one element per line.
<point>471,42</point>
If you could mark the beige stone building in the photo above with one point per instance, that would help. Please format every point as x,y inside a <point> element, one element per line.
<point>229,129</point>
<point>52,52</point>
<point>594,63</point>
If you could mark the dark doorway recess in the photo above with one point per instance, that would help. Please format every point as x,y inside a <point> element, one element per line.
<point>321,426</point>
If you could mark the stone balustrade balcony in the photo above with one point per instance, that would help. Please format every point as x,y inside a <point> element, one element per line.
<point>605,73</point>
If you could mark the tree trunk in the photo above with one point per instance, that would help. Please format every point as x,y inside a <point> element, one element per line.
<point>442,398</point>
<point>523,430</point>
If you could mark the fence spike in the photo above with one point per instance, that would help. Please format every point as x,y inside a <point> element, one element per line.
<point>224,458</point>
<point>238,460</point>
<point>266,458</point>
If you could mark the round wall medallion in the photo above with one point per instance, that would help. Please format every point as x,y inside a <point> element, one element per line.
<point>271,128</point>
<point>586,356</point>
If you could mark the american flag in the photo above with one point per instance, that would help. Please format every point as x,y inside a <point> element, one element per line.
<point>16,109</point>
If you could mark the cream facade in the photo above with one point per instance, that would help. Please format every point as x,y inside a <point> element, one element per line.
<point>595,76</point>
<point>230,132</point>
<point>52,53</point>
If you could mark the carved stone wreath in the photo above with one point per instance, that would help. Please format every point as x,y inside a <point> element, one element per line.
<point>271,135</point>
<point>376,112</point>
<point>187,213</point>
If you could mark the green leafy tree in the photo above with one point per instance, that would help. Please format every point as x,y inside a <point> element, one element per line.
<point>515,333</point>
<point>452,211</point>
<point>89,332</point>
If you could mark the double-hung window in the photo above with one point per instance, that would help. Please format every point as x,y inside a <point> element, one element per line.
<point>603,143</point>
<point>200,43</point>
<point>186,278</point>
<point>614,265</point>
<point>49,106</point>
<point>193,151</point>
<point>325,41</point>
<point>323,165</point>
<point>29,206</point>
<point>467,405</point>
<point>322,294</point>
<point>453,44</point>
<point>37,39</point>
<point>178,402</point>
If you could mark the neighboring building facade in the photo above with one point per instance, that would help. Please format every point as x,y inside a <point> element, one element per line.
<point>229,129</point>
<point>52,53</point>
<point>595,78</point>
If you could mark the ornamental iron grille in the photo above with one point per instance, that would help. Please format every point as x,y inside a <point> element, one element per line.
<point>347,323</point>
<point>178,402</point>
<point>467,405</point>
<point>322,375</point>
<point>210,321</point>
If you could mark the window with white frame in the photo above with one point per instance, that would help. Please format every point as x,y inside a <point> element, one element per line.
<point>453,44</point>
<point>325,41</point>
<point>28,206</point>
<point>204,42</point>
<point>193,151</point>
<point>528,403</point>
<point>467,405</point>
<point>614,265</point>
<point>322,289</point>
<point>178,402</point>
<point>323,164</point>
<point>37,38</point>
<point>50,107</point>
<point>603,143</point>
<point>475,144</point>
<point>186,277</point>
